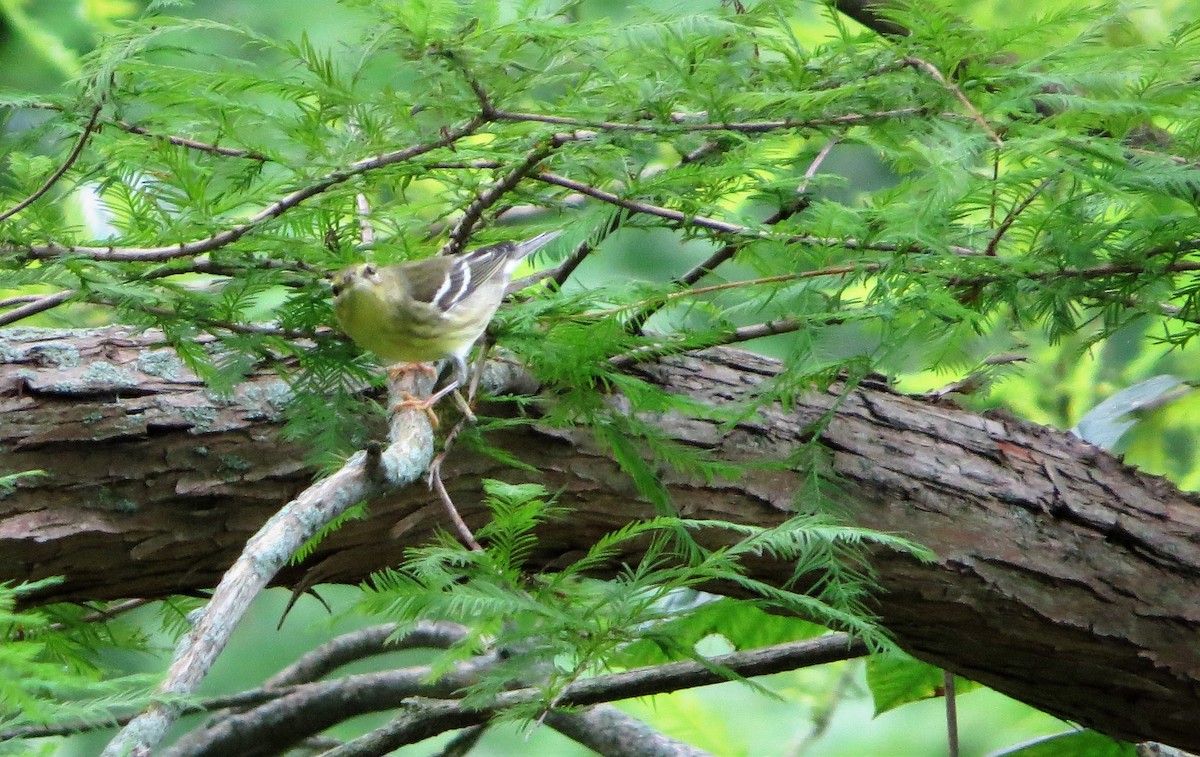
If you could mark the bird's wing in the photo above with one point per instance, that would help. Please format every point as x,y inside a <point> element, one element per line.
<point>453,278</point>
<point>471,270</point>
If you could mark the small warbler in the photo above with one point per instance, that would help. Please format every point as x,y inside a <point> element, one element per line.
<point>428,310</point>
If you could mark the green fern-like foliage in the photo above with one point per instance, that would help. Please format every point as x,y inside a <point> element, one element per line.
<point>555,627</point>
<point>50,671</point>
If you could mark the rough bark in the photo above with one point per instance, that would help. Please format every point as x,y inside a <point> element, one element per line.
<point>1064,578</point>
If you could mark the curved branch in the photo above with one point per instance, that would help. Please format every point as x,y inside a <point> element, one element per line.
<point>363,643</point>
<point>141,131</point>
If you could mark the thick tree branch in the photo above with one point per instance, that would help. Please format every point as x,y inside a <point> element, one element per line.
<point>1084,608</point>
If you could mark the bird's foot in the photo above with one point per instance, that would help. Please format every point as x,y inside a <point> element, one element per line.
<point>409,402</point>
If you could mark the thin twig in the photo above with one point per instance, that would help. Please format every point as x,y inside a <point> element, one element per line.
<point>33,304</point>
<point>658,302</point>
<point>951,713</point>
<point>727,251</point>
<point>76,151</point>
<point>192,144</point>
<point>104,614</point>
<point>486,108</point>
<point>434,478</point>
<point>638,206</point>
<point>725,227</point>
<point>823,714</point>
<point>680,122</point>
<point>1095,272</point>
<point>585,248</point>
<point>1015,211</point>
<point>932,70</point>
<point>435,483</point>
<point>37,305</point>
<point>733,336</point>
<point>141,131</point>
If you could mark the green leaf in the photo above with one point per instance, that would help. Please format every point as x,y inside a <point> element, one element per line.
<point>896,679</point>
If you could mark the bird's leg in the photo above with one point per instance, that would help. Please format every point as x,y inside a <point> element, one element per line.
<point>399,369</point>
<point>407,400</point>
<point>410,402</point>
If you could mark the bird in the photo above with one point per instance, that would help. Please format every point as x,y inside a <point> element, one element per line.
<point>428,310</point>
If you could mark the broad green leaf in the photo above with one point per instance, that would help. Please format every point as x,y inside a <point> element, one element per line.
<point>896,679</point>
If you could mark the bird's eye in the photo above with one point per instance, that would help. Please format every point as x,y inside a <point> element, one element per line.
<point>368,270</point>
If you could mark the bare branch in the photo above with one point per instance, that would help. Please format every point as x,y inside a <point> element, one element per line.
<point>951,713</point>
<point>462,530</point>
<point>463,742</point>
<point>35,306</point>
<point>363,643</point>
<point>437,717</point>
<point>609,731</point>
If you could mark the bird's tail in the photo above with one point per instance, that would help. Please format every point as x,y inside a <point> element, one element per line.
<point>533,244</point>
